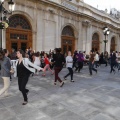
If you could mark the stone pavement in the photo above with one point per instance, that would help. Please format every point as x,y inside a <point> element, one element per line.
<point>94,97</point>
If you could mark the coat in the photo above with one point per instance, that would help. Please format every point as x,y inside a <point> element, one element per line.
<point>29,65</point>
<point>5,67</point>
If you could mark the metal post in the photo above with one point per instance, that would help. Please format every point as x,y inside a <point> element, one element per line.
<point>105,43</point>
<point>1,33</point>
<point>0,39</point>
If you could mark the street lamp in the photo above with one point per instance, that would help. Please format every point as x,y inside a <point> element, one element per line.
<point>3,17</point>
<point>106,32</point>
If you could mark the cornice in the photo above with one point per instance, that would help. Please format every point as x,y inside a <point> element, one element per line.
<point>76,13</point>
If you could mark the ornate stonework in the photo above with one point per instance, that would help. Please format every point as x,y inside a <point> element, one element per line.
<point>49,17</point>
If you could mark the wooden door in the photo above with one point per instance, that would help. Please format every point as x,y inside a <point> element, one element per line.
<point>68,44</point>
<point>21,38</point>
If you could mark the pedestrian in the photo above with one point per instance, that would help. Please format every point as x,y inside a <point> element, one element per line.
<point>113,62</point>
<point>47,65</point>
<point>96,59</point>
<point>69,64</point>
<point>5,72</point>
<point>58,61</point>
<point>37,61</point>
<point>91,62</point>
<point>80,60</point>
<point>23,71</point>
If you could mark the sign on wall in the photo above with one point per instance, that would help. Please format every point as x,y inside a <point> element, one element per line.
<point>70,6</point>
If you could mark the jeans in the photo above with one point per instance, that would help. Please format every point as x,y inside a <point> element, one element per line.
<point>80,66</point>
<point>91,67</point>
<point>112,65</point>
<point>70,73</point>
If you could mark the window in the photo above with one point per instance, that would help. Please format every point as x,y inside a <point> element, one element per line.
<point>18,21</point>
<point>18,36</point>
<point>68,31</point>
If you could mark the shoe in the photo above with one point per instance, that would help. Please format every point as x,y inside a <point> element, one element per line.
<point>62,83</point>
<point>54,83</point>
<point>52,74</point>
<point>65,78</point>
<point>24,103</point>
<point>43,75</point>
<point>72,81</point>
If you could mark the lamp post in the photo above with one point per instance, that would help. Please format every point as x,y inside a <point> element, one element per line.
<point>3,17</point>
<point>106,32</point>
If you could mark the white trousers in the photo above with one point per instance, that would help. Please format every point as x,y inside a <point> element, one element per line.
<point>6,81</point>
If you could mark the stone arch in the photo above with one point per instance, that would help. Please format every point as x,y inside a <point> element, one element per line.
<point>73,27</point>
<point>67,39</point>
<point>28,17</point>
<point>95,41</point>
<point>19,32</point>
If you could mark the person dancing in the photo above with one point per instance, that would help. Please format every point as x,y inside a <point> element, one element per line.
<point>5,72</point>
<point>69,64</point>
<point>23,71</point>
<point>47,65</point>
<point>58,61</point>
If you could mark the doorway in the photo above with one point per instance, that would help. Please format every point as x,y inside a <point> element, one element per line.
<point>68,40</point>
<point>19,33</point>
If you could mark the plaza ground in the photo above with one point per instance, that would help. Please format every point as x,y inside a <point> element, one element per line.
<point>94,97</point>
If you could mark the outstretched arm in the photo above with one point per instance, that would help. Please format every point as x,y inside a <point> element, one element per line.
<point>34,66</point>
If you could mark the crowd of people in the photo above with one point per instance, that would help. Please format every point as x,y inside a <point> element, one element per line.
<point>23,64</point>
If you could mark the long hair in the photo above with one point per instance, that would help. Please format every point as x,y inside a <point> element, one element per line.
<point>2,54</point>
<point>22,52</point>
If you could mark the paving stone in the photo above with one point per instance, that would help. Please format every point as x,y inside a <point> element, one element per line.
<point>20,109</point>
<point>69,116</point>
<point>5,114</point>
<point>53,110</point>
<point>95,97</point>
<point>1,105</point>
<point>102,117</point>
<point>34,115</point>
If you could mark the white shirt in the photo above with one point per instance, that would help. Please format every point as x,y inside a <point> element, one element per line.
<point>96,57</point>
<point>69,61</point>
<point>37,61</point>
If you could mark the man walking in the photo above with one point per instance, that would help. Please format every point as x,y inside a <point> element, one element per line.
<point>91,62</point>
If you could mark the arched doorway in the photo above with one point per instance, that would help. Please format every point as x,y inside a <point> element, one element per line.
<point>95,42</point>
<point>19,33</point>
<point>112,45</point>
<point>68,40</point>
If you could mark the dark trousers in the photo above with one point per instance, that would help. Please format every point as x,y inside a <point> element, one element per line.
<point>96,64</point>
<point>22,81</point>
<point>57,70</point>
<point>74,63</point>
<point>112,65</point>
<point>91,67</point>
<point>70,73</point>
<point>80,66</point>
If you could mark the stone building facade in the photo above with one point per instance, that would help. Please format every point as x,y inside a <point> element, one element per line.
<point>71,25</point>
